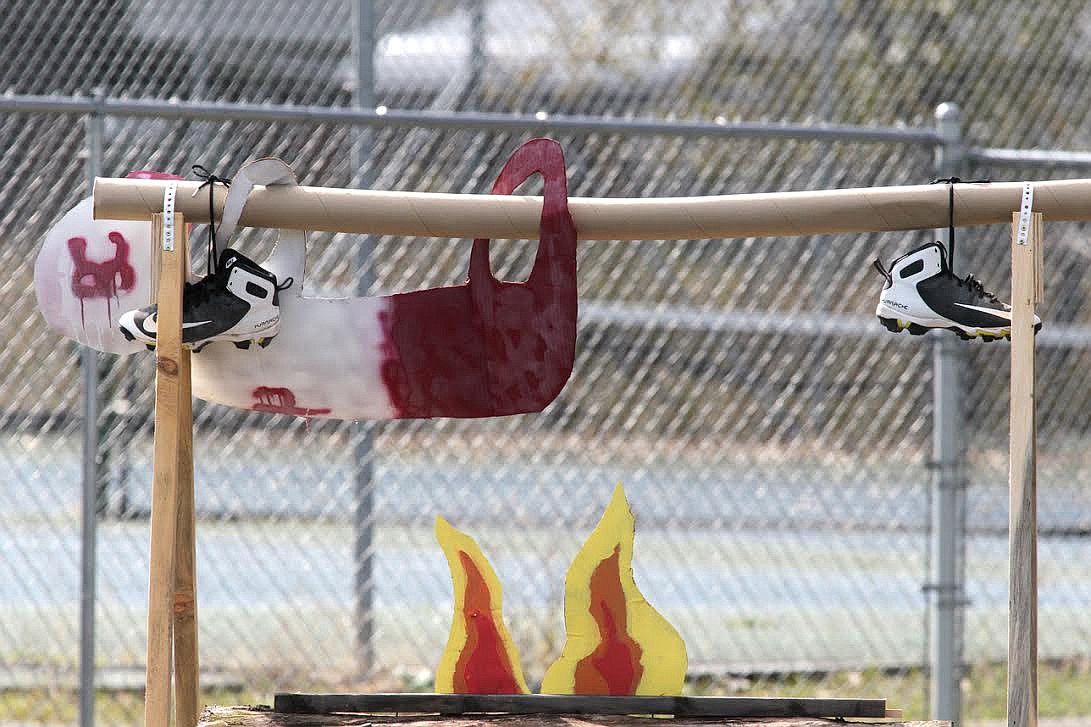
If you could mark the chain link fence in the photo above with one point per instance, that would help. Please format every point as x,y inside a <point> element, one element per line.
<point>774,440</point>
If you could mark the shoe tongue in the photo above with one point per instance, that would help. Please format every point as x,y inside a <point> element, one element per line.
<point>228,259</point>
<point>944,263</point>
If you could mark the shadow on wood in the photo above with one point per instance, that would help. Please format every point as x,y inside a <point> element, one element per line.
<point>539,704</point>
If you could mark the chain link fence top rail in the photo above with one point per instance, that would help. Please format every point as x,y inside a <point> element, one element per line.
<point>774,440</point>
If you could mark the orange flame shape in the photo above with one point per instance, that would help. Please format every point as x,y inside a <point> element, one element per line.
<point>480,657</point>
<point>617,644</point>
<point>614,666</point>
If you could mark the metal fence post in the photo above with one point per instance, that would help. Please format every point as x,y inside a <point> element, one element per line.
<point>89,368</point>
<point>946,593</point>
<point>478,54</point>
<point>363,23</point>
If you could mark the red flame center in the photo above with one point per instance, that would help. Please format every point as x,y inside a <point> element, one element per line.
<point>484,666</point>
<point>614,666</point>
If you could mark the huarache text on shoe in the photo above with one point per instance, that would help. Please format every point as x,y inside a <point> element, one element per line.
<point>238,302</point>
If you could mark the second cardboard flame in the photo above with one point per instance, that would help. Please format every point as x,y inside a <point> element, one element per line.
<point>617,644</point>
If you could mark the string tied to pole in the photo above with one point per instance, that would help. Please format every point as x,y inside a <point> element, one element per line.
<point>210,181</point>
<point>951,182</point>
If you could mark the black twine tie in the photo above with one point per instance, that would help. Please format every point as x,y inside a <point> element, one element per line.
<point>210,181</point>
<point>951,182</point>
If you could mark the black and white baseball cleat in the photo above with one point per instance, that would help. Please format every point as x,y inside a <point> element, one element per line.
<point>239,302</point>
<point>921,293</point>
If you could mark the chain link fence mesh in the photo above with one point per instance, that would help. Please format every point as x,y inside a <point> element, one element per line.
<point>773,438</point>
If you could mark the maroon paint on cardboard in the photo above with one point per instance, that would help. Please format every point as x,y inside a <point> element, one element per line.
<point>281,400</point>
<point>491,347</point>
<point>95,279</point>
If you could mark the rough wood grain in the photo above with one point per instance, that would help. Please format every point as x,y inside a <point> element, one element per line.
<point>580,704</point>
<point>264,717</point>
<point>186,666</point>
<point>1023,528</point>
<point>165,482</point>
<point>1039,258</point>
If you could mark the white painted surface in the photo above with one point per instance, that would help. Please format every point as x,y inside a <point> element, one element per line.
<point>325,361</point>
<point>327,354</point>
<point>96,324</point>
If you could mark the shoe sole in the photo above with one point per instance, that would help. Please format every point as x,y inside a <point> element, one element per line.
<point>197,348</point>
<point>988,335</point>
<point>263,342</point>
<point>240,342</point>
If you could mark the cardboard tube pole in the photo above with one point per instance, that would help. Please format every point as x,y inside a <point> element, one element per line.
<point>872,209</point>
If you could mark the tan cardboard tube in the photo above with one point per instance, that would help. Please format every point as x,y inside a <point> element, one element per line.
<point>872,209</point>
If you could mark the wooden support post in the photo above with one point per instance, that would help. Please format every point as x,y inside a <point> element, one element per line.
<point>1026,290</point>
<point>186,669</point>
<point>172,516</point>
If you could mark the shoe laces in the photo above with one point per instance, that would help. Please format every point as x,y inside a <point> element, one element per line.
<point>201,291</point>
<point>210,180</point>
<point>976,287</point>
<point>951,182</point>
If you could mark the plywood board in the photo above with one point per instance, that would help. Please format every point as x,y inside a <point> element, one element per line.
<point>264,717</point>
<point>580,704</point>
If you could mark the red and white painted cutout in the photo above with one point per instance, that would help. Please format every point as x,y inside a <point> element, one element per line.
<point>484,348</point>
<point>491,347</point>
<point>89,272</point>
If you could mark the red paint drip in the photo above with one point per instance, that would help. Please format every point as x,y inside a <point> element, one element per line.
<point>484,666</point>
<point>281,400</point>
<point>614,667</point>
<point>491,347</point>
<point>93,279</point>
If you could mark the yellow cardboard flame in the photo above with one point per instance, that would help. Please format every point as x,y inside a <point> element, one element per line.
<point>480,656</point>
<point>657,664</point>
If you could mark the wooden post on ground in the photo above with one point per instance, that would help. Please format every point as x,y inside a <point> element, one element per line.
<point>186,669</point>
<point>1026,290</point>
<point>172,619</point>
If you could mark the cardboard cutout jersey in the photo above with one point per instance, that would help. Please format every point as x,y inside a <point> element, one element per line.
<point>485,348</point>
<point>89,272</point>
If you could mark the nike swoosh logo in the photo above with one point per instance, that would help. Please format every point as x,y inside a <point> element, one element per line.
<point>991,311</point>
<point>151,324</point>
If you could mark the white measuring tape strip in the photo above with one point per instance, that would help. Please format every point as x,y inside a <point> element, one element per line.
<point>1025,208</point>
<point>168,216</point>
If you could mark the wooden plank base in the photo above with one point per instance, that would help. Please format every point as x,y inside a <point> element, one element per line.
<point>451,704</point>
<point>265,717</point>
